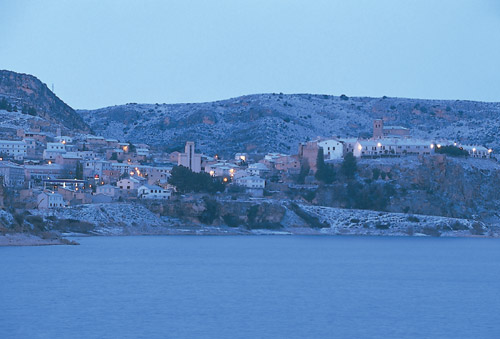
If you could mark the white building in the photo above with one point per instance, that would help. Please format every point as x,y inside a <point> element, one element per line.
<point>153,192</point>
<point>64,139</point>
<point>477,151</point>
<point>257,169</point>
<point>46,200</point>
<point>251,182</point>
<point>392,147</point>
<point>53,150</point>
<point>332,148</point>
<point>16,149</point>
<point>222,169</point>
<point>348,144</point>
<point>129,184</point>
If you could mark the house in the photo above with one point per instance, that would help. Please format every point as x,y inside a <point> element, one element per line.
<point>153,192</point>
<point>476,151</point>
<point>239,157</point>
<point>348,144</point>
<point>288,163</point>
<point>333,149</point>
<point>189,158</point>
<point>129,184</point>
<point>221,169</point>
<point>53,150</point>
<point>49,199</point>
<point>39,172</point>
<point>64,139</point>
<point>107,190</point>
<point>13,174</point>
<point>257,169</point>
<point>393,147</point>
<point>251,182</point>
<point>15,149</point>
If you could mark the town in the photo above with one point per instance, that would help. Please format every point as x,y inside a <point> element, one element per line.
<point>41,169</point>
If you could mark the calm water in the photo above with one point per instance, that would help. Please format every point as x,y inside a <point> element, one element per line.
<point>252,287</point>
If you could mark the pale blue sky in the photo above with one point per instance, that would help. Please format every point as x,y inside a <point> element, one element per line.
<point>100,53</point>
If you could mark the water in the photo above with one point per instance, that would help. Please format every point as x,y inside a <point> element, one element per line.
<point>252,287</point>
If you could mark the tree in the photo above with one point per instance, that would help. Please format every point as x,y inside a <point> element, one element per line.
<point>304,172</point>
<point>131,147</point>
<point>454,151</point>
<point>324,172</point>
<point>79,170</point>
<point>186,181</point>
<point>349,166</point>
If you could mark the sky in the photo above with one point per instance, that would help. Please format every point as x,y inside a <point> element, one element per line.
<point>102,53</point>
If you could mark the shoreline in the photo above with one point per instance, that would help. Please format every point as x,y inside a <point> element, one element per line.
<point>24,239</point>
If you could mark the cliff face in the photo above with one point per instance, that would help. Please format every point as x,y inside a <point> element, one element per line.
<point>277,122</point>
<point>433,185</point>
<point>23,89</point>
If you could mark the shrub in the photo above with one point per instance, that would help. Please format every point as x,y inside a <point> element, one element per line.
<point>382,226</point>
<point>432,231</point>
<point>453,151</point>
<point>413,218</point>
<point>231,220</point>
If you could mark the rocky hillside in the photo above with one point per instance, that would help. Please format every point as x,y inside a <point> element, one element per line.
<point>277,122</point>
<point>30,97</point>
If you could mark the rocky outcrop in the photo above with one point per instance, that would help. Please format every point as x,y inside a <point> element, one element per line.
<point>26,90</point>
<point>433,185</point>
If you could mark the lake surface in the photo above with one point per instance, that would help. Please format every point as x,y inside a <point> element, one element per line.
<point>252,287</point>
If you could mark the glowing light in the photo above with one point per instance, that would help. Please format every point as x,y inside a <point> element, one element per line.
<point>225,179</point>
<point>379,145</point>
<point>454,144</point>
<point>132,173</point>
<point>432,145</point>
<point>360,147</point>
<point>474,149</point>
<point>64,141</point>
<point>438,145</point>
<point>50,162</point>
<point>212,173</point>
<point>242,158</point>
<point>231,170</point>
<point>490,150</point>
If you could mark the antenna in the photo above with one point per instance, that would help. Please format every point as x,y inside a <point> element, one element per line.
<point>52,87</point>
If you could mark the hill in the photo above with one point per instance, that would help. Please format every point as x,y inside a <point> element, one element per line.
<point>277,122</point>
<point>25,94</point>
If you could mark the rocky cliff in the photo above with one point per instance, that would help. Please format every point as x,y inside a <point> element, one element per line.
<point>26,91</point>
<point>433,185</point>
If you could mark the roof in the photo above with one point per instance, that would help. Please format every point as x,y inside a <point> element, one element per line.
<point>258,166</point>
<point>12,142</point>
<point>395,127</point>
<point>106,186</point>
<point>395,142</point>
<point>9,164</point>
<point>251,177</point>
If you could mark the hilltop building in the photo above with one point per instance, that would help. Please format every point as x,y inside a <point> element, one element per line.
<point>380,131</point>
